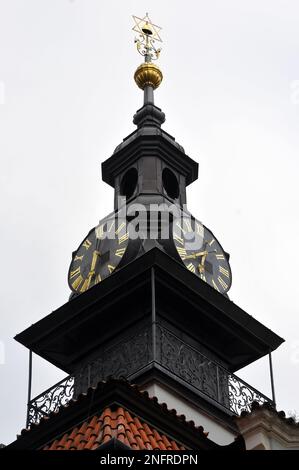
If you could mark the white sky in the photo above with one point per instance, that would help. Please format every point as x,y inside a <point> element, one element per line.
<point>67,94</point>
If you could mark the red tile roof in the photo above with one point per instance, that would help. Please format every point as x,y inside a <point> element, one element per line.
<point>118,424</point>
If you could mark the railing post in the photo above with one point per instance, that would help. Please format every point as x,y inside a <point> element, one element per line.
<point>29,387</point>
<point>272,379</point>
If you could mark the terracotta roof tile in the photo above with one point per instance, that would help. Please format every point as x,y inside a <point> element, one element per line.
<point>119,424</point>
<point>83,428</point>
<point>175,446</point>
<point>166,442</point>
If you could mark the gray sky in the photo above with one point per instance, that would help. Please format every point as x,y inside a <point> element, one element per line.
<point>67,94</point>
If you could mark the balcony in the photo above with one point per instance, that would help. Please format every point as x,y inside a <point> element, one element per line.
<point>175,357</point>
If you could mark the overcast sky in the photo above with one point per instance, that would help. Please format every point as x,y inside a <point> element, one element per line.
<point>67,97</point>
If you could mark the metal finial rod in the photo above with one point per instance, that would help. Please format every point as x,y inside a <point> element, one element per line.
<point>29,387</point>
<point>148,95</point>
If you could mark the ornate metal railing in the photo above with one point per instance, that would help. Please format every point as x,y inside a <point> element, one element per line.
<point>205,375</point>
<point>50,400</point>
<point>179,358</point>
<point>241,395</point>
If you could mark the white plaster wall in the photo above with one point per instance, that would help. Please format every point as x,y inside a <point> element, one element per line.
<point>217,432</point>
<point>261,440</point>
<point>277,445</point>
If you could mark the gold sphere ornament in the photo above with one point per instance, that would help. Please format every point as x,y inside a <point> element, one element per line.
<point>148,74</point>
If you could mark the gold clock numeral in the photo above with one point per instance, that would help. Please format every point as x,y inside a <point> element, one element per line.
<point>120,252</point>
<point>188,225</point>
<point>203,277</point>
<point>97,279</point>
<point>199,229</point>
<point>87,244</point>
<point>222,282</point>
<point>77,282</point>
<point>123,238</point>
<point>110,268</point>
<point>191,267</point>
<point>178,239</point>
<point>211,242</point>
<point>100,231</point>
<point>78,258</point>
<point>182,252</point>
<point>215,285</point>
<point>224,271</point>
<point>220,256</point>
<point>121,226</point>
<point>75,273</point>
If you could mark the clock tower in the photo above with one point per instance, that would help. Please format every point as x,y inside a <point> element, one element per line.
<point>149,326</point>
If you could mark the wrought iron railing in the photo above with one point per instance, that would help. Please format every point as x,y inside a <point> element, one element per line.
<point>50,401</point>
<point>205,375</point>
<point>215,382</point>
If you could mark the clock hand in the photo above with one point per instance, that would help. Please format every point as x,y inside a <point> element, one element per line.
<point>91,273</point>
<point>201,267</point>
<point>196,255</point>
<point>95,256</point>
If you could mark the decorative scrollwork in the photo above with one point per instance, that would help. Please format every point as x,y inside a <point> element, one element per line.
<point>117,360</point>
<point>206,375</point>
<point>188,363</point>
<point>51,400</point>
<point>241,395</point>
<point>146,47</point>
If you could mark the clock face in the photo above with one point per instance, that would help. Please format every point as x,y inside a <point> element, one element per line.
<point>100,253</point>
<point>201,253</point>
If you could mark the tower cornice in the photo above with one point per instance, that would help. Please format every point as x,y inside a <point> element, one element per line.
<point>152,142</point>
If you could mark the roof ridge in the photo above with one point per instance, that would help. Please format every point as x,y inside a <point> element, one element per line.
<point>270,407</point>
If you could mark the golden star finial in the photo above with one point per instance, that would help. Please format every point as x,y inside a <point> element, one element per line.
<point>148,34</point>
